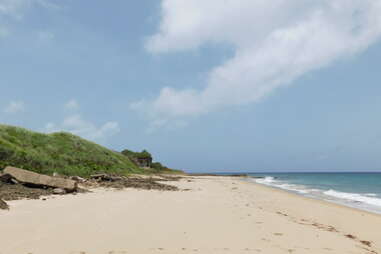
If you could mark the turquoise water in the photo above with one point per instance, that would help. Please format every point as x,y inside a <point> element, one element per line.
<point>359,190</point>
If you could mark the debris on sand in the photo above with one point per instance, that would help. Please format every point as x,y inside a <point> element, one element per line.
<point>121,182</point>
<point>350,236</point>
<point>18,184</point>
<point>367,243</point>
<point>3,205</point>
<point>106,178</point>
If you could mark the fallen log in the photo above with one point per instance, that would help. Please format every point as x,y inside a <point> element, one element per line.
<point>31,178</point>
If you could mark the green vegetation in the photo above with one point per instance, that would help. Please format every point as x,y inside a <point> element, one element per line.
<point>61,152</point>
<point>158,166</point>
<point>137,155</point>
<point>145,157</point>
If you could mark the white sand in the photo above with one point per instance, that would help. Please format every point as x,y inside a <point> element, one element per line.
<point>219,215</point>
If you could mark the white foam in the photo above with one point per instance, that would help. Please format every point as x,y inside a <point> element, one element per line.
<point>271,181</point>
<point>355,197</point>
<point>267,180</point>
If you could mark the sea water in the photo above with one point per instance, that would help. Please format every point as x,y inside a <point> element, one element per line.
<point>358,190</point>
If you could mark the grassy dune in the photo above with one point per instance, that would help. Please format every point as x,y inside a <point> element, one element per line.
<point>61,152</point>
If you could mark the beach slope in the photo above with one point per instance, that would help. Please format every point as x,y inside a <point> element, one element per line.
<point>211,215</point>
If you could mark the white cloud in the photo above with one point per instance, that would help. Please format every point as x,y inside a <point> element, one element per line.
<point>12,7</point>
<point>16,9</point>
<point>48,4</point>
<point>275,43</point>
<point>15,107</point>
<point>72,105</point>
<point>77,125</point>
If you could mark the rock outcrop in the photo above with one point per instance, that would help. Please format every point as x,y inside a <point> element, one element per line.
<point>31,178</point>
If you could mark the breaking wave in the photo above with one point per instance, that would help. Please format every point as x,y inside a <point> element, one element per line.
<point>369,198</point>
<point>365,201</point>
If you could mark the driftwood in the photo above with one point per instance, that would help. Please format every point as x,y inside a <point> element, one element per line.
<point>105,177</point>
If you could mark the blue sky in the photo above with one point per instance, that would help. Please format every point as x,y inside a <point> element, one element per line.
<point>204,86</point>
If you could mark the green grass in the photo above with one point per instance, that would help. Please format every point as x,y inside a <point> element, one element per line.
<point>61,152</point>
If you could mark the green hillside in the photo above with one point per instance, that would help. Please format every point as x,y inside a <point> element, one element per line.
<point>61,152</point>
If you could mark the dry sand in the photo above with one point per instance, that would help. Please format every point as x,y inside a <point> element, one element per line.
<point>218,215</point>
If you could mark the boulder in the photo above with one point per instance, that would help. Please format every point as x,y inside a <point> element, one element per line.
<point>32,178</point>
<point>59,191</point>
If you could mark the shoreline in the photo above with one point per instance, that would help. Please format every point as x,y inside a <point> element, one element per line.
<point>215,215</point>
<point>311,197</point>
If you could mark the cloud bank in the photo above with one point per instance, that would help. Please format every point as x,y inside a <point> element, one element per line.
<point>275,43</point>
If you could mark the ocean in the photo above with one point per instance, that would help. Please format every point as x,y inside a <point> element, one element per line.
<point>358,190</point>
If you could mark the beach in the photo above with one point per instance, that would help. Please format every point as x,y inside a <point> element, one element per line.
<point>210,214</point>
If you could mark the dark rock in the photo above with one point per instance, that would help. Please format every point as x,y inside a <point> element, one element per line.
<point>5,178</point>
<point>3,205</point>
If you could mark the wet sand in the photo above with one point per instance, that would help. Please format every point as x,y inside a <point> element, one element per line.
<point>216,215</point>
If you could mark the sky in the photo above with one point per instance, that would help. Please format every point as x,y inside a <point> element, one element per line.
<point>204,85</point>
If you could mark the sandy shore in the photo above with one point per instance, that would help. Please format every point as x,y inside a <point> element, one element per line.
<point>217,215</point>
